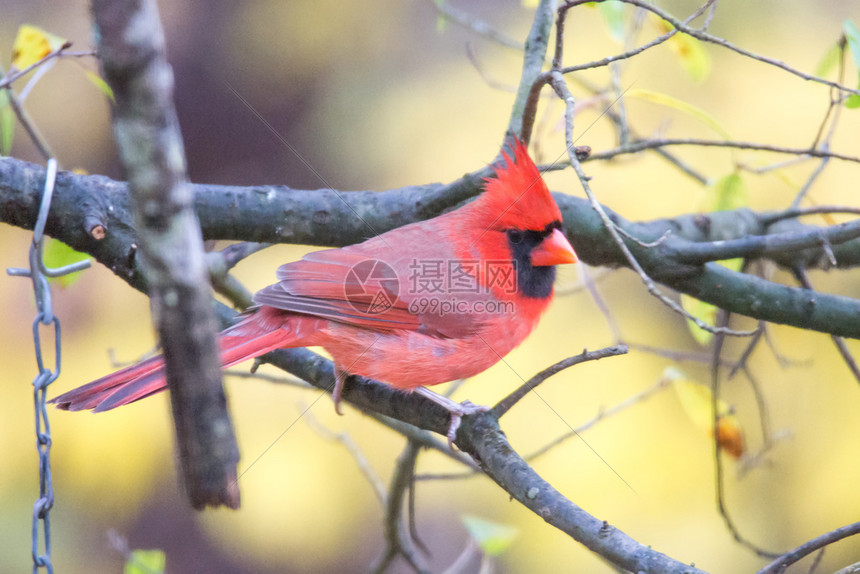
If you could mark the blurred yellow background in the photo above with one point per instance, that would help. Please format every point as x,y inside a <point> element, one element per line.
<point>378,95</point>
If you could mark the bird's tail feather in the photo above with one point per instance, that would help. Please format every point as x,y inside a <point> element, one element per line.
<point>147,377</point>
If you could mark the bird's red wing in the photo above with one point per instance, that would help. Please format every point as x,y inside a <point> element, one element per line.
<point>342,285</point>
<point>358,286</point>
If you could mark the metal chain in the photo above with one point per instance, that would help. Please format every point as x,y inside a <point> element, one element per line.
<point>39,274</point>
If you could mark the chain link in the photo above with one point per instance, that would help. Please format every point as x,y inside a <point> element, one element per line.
<point>45,317</point>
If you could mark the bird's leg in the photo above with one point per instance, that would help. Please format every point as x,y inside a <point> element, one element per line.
<point>339,379</point>
<point>457,410</point>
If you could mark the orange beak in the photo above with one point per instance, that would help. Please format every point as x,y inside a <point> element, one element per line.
<point>554,250</point>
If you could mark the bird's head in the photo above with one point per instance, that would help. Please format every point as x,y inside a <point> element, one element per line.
<point>521,222</point>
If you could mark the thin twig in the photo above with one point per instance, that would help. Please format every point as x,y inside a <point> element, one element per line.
<point>504,405</point>
<point>219,264</point>
<point>25,120</point>
<point>598,299</point>
<point>563,92</point>
<point>719,481</point>
<point>353,449</point>
<point>55,53</point>
<point>768,219</point>
<point>397,539</point>
<point>475,25</point>
<point>601,415</point>
<point>642,145</point>
<point>705,37</point>
<point>780,564</point>
<point>751,346</point>
<point>680,356</point>
<point>496,85</point>
<point>425,439</point>
<point>765,245</point>
<point>777,165</point>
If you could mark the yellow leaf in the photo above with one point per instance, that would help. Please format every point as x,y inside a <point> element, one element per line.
<point>692,54</point>
<point>530,3</point>
<point>674,103</point>
<point>32,44</point>
<point>695,60</point>
<point>697,401</point>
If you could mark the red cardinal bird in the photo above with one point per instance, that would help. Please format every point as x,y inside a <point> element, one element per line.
<point>423,304</point>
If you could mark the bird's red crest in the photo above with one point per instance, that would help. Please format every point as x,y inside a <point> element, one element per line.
<point>518,196</point>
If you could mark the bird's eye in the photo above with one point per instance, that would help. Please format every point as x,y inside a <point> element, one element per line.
<point>515,236</point>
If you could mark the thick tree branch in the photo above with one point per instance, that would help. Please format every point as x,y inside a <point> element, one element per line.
<point>133,61</point>
<point>278,214</point>
<point>480,437</point>
<point>536,44</point>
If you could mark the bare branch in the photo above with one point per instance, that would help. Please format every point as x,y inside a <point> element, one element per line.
<point>352,448</point>
<point>509,401</point>
<point>474,24</point>
<point>719,481</point>
<point>397,538</point>
<point>563,92</point>
<point>521,118</point>
<point>131,45</point>
<point>484,439</point>
<point>780,564</point>
<point>601,415</point>
<point>705,37</point>
<point>642,145</point>
<point>843,349</point>
<point>319,217</point>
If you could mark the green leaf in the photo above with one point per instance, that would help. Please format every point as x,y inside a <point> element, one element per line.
<point>100,84</point>
<point>7,124</point>
<point>852,37</point>
<point>58,254</point>
<point>492,537</point>
<point>728,193</point>
<point>145,562</point>
<point>441,20</point>
<point>613,15</point>
<point>680,105</point>
<point>829,60</point>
